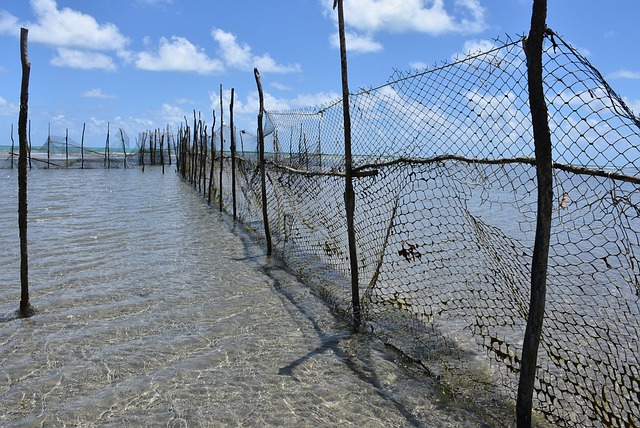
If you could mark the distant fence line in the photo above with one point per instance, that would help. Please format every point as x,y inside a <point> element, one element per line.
<point>445,219</point>
<point>154,147</point>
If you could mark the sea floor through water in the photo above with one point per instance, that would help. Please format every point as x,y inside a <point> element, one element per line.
<point>156,310</point>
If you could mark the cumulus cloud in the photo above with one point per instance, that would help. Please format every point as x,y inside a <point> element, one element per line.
<point>625,74</point>
<point>178,54</point>
<point>239,56</point>
<point>76,36</point>
<point>365,18</point>
<point>82,59</point>
<point>7,108</point>
<point>357,42</point>
<point>70,28</point>
<point>415,15</point>
<point>97,93</point>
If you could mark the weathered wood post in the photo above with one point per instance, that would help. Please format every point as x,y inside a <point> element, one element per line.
<point>12,146</point>
<point>124,147</point>
<point>49,147</point>
<point>349,194</point>
<point>233,153</point>
<point>82,147</point>
<point>221,145</point>
<point>213,156</point>
<point>25,306</point>
<point>107,156</point>
<point>539,262</point>
<point>265,217</point>
<point>66,148</point>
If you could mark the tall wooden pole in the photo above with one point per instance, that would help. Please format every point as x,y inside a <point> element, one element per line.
<point>265,217</point>
<point>25,306</point>
<point>233,153</point>
<point>221,146</point>
<point>349,194</point>
<point>539,262</point>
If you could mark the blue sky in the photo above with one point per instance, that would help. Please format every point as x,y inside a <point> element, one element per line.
<point>143,64</point>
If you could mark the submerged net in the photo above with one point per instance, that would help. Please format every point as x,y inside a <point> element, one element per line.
<point>445,221</point>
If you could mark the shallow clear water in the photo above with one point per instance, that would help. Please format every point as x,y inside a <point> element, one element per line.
<point>156,310</point>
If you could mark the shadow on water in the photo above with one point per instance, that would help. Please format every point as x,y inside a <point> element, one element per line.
<point>360,352</point>
<point>421,351</point>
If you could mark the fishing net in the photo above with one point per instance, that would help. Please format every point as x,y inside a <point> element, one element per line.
<point>446,203</point>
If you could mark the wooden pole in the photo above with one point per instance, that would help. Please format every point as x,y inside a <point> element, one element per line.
<point>539,263</point>
<point>12,146</point>
<point>221,145</point>
<point>107,157</point>
<point>82,147</point>
<point>265,217</point>
<point>349,194</point>
<point>49,147</point>
<point>169,143</point>
<point>213,157</point>
<point>66,148</point>
<point>124,148</point>
<point>26,310</point>
<point>233,154</point>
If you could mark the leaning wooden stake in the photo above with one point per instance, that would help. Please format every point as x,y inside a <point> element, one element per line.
<point>221,146</point>
<point>213,157</point>
<point>233,153</point>
<point>349,194</point>
<point>539,263</point>
<point>82,147</point>
<point>12,146</point>
<point>265,217</point>
<point>25,306</point>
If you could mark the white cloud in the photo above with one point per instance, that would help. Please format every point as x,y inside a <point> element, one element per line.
<point>396,16</point>
<point>8,109</point>
<point>70,28</point>
<point>178,54</point>
<point>357,42</point>
<point>9,24</point>
<point>97,93</point>
<point>86,60</point>
<point>419,65</point>
<point>633,105</point>
<point>239,56</point>
<point>625,74</point>
<point>76,35</point>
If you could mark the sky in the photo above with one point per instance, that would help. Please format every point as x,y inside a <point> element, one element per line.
<point>144,64</point>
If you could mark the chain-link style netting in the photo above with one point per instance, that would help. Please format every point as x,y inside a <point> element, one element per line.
<point>446,216</point>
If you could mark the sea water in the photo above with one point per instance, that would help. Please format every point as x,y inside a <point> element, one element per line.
<point>153,309</point>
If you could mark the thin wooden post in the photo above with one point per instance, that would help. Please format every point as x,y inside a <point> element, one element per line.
<point>233,153</point>
<point>221,145</point>
<point>82,147</point>
<point>539,263</point>
<point>12,146</point>
<point>213,156</point>
<point>66,148</point>
<point>162,152</point>
<point>169,143</point>
<point>265,217</point>
<point>141,160</point>
<point>107,157</point>
<point>124,148</point>
<point>349,194</point>
<point>26,310</point>
<point>49,147</point>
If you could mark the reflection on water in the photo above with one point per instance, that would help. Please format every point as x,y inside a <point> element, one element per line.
<point>155,310</point>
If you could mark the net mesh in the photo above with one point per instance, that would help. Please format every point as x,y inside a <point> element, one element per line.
<point>446,216</point>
